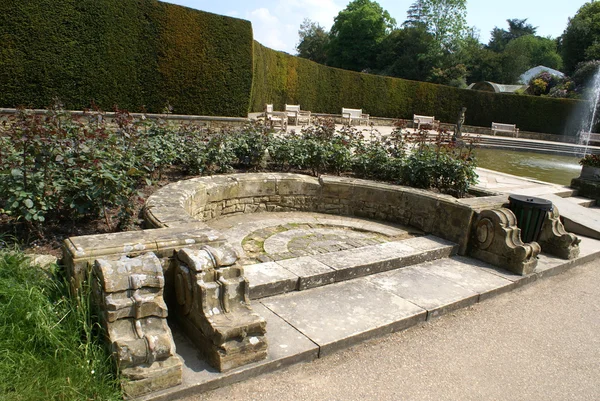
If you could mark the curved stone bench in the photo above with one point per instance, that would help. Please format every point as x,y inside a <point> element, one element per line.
<point>202,199</point>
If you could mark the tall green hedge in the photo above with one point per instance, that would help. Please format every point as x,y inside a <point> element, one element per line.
<point>280,78</point>
<point>137,54</point>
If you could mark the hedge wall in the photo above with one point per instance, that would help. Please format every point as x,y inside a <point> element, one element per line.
<point>280,78</point>
<point>137,54</point>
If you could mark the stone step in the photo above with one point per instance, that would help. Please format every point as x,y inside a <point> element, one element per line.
<point>304,325</point>
<point>340,315</point>
<point>581,201</point>
<point>306,272</point>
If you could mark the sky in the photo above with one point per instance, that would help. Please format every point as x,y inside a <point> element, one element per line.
<point>276,22</point>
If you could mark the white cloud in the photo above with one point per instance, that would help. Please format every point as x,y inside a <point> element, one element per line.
<point>277,27</point>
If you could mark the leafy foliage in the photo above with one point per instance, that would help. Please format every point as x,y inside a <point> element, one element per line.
<point>444,19</point>
<point>516,28</point>
<point>281,79</point>
<point>356,34</point>
<point>581,38</point>
<point>138,55</point>
<point>590,160</point>
<point>314,40</point>
<point>53,167</point>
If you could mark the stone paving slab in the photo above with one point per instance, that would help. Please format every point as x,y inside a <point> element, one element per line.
<point>431,292</point>
<point>268,279</point>
<point>577,219</point>
<point>468,273</point>
<point>287,346</point>
<point>342,314</point>
<point>311,273</point>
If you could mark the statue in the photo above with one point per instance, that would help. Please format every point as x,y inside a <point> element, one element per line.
<point>459,124</point>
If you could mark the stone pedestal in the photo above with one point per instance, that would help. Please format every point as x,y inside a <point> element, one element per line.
<point>129,293</point>
<point>554,239</point>
<point>587,188</point>
<point>496,239</point>
<point>214,307</point>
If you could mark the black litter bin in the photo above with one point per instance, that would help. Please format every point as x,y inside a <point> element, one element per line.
<point>530,212</point>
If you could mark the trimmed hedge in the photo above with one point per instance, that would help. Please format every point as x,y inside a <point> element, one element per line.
<point>138,55</point>
<point>280,78</point>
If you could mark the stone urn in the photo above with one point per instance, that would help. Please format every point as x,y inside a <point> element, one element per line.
<point>590,173</point>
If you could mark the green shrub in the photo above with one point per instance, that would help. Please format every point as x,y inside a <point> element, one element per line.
<point>138,55</point>
<point>280,78</point>
<point>53,167</point>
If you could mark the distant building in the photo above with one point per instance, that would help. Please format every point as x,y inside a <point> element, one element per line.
<point>487,86</point>
<point>532,72</point>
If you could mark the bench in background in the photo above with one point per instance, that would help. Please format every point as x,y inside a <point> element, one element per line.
<point>354,115</point>
<point>425,120</point>
<point>510,128</point>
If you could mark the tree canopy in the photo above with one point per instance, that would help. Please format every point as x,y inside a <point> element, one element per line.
<point>516,28</point>
<point>356,34</point>
<point>314,40</point>
<point>435,43</point>
<point>444,19</point>
<point>581,39</point>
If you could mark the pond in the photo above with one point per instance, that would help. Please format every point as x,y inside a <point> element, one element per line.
<point>539,166</point>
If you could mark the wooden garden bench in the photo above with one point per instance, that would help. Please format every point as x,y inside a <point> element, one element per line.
<point>274,118</point>
<point>510,128</point>
<point>298,116</point>
<point>354,114</point>
<point>427,120</point>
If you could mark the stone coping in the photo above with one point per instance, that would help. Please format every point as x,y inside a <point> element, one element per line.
<point>207,198</point>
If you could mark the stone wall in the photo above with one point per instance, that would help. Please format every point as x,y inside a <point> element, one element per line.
<point>207,198</point>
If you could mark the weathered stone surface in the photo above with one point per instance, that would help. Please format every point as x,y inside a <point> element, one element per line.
<point>286,346</point>
<point>577,219</point>
<point>311,273</point>
<point>129,293</point>
<point>496,239</point>
<point>42,261</point>
<point>554,239</point>
<point>441,215</point>
<point>214,308</point>
<point>434,293</point>
<point>157,376</point>
<point>269,278</point>
<point>340,315</point>
<point>80,252</point>
<point>469,273</point>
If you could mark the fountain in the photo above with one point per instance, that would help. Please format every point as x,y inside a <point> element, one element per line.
<point>589,118</point>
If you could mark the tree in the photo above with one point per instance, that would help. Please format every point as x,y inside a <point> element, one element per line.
<point>405,53</point>
<point>444,19</point>
<point>581,39</point>
<point>356,34</point>
<point>516,28</point>
<point>314,40</point>
<point>528,51</point>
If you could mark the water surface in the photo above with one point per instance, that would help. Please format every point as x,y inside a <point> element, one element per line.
<point>539,166</point>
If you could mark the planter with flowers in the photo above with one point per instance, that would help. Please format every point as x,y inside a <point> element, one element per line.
<point>588,183</point>
<point>590,169</point>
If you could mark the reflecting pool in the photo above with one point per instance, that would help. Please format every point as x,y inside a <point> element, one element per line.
<point>539,166</point>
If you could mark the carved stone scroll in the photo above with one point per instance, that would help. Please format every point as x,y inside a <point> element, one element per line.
<point>214,307</point>
<point>554,239</point>
<point>129,292</point>
<point>496,239</point>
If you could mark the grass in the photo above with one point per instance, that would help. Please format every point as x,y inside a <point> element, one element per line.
<point>50,348</point>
